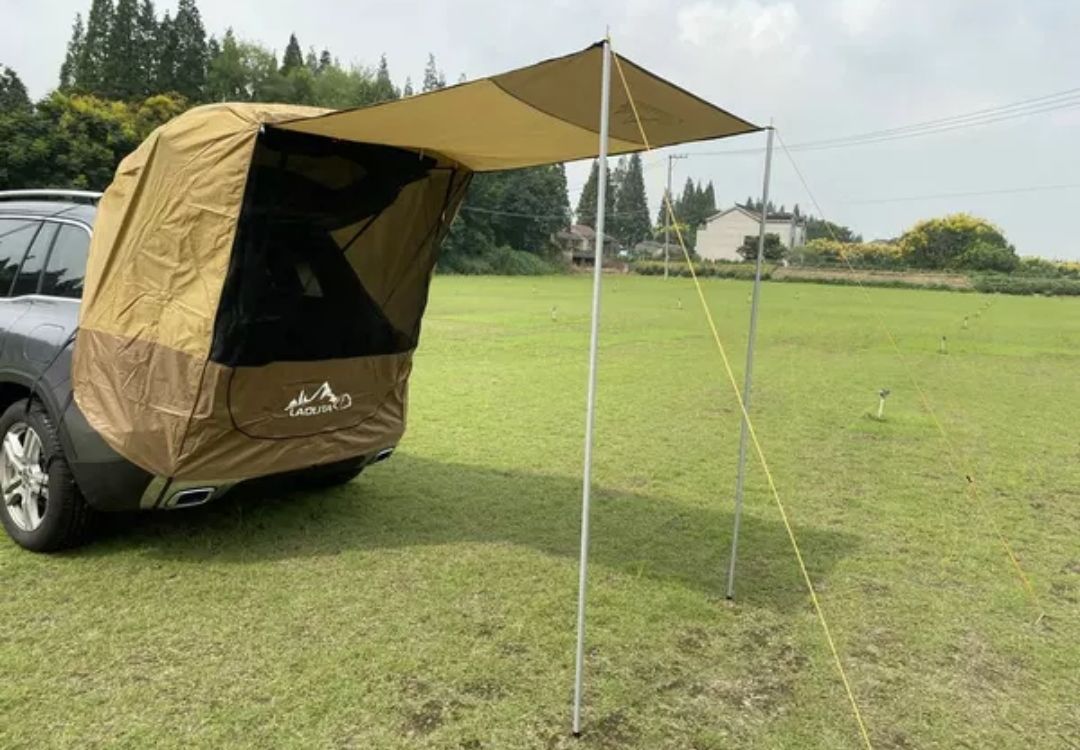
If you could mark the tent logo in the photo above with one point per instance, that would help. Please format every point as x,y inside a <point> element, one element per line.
<point>322,401</point>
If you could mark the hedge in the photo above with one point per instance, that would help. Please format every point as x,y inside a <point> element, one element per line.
<point>702,269</point>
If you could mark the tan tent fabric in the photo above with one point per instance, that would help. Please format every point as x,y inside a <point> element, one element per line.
<point>541,114</point>
<point>177,365</point>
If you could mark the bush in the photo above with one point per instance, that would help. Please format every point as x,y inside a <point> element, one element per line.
<point>703,269</point>
<point>986,256</point>
<point>499,261</point>
<point>1003,284</point>
<point>943,243</point>
<point>774,250</point>
<point>876,255</point>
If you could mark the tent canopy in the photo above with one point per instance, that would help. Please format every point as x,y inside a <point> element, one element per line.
<point>545,113</point>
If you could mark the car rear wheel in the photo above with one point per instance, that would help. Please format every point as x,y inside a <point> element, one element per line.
<point>40,505</point>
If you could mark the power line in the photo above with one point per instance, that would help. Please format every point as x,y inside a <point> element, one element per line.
<point>1066,99</point>
<point>967,194</point>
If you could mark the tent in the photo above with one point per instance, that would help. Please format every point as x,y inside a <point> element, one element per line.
<point>258,273</point>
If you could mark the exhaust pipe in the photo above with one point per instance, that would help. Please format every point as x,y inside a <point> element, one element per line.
<point>191,498</point>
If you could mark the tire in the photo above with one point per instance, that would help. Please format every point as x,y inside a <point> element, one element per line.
<point>55,519</point>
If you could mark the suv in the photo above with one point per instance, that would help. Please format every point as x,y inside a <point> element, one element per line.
<point>55,469</point>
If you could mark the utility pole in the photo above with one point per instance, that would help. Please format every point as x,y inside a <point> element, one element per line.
<point>749,375</point>
<point>669,208</point>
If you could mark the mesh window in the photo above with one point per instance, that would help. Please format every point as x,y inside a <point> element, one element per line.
<point>291,294</point>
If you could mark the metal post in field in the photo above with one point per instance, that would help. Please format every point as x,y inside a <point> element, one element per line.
<point>667,216</point>
<point>748,380</point>
<point>590,403</point>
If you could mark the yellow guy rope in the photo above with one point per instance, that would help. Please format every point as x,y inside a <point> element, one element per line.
<point>753,433</point>
<point>955,459</point>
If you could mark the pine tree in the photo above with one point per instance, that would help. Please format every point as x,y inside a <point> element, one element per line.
<point>227,78</point>
<point>384,88</point>
<point>325,61</point>
<point>165,46</point>
<point>122,76</point>
<point>311,61</point>
<point>146,31</point>
<point>191,52</point>
<point>709,201</point>
<point>587,201</point>
<point>69,71</point>
<point>408,90</point>
<point>631,204</point>
<point>293,57</point>
<point>433,77</point>
<point>95,49</point>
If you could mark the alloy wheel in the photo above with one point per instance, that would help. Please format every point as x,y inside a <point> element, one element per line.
<point>23,479</point>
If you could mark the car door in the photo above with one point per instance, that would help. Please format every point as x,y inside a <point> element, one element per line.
<point>48,285</point>
<point>16,237</point>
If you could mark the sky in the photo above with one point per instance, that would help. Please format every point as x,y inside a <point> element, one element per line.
<point>818,69</point>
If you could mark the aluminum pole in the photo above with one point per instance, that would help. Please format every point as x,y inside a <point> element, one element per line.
<point>590,407</point>
<point>667,214</point>
<point>748,380</point>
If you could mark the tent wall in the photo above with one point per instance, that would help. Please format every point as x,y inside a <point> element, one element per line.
<point>154,373</point>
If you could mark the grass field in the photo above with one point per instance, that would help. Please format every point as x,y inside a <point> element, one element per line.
<point>430,604</point>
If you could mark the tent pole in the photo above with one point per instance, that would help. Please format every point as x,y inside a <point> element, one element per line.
<point>590,407</point>
<point>748,382</point>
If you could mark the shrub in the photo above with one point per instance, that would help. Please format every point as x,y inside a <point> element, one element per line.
<point>859,254</point>
<point>774,249</point>
<point>942,243</point>
<point>1023,285</point>
<point>703,269</point>
<point>986,256</point>
<point>499,261</point>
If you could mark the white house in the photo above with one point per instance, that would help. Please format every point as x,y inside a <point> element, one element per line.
<point>722,233</point>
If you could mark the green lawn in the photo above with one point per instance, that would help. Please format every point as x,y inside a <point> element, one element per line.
<point>431,603</point>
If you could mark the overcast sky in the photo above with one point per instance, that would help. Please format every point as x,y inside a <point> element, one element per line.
<point>822,69</point>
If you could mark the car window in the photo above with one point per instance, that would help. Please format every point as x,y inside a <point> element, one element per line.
<point>15,237</point>
<point>66,266</point>
<point>29,275</point>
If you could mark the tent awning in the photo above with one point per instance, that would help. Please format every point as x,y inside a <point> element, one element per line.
<point>541,114</point>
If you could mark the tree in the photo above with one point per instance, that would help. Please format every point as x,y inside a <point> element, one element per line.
<point>325,61</point>
<point>433,77</point>
<point>587,201</point>
<point>228,78</point>
<point>166,43</point>
<point>946,242</point>
<point>311,61</point>
<point>631,205</point>
<point>13,96</point>
<point>407,90</point>
<point>384,87</point>
<point>122,77</point>
<point>774,250</point>
<point>819,229</point>
<point>146,33</point>
<point>69,71</point>
<point>91,69</point>
<point>191,51</point>
<point>293,57</point>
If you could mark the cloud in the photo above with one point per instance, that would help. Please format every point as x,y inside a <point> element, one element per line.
<point>744,26</point>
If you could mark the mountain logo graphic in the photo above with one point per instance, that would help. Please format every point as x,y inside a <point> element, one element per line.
<point>322,401</point>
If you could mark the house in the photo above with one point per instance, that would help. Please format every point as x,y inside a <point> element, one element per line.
<point>578,245</point>
<point>720,237</point>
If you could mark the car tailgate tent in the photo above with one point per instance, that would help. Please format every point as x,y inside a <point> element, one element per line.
<point>258,273</point>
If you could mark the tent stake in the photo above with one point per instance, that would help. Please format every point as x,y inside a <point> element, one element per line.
<point>590,406</point>
<point>749,375</point>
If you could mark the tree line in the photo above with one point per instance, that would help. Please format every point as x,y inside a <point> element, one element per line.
<point>127,69</point>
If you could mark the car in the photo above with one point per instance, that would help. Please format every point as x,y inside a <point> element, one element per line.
<point>56,472</point>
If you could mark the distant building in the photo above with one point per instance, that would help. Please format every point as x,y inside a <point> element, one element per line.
<point>578,245</point>
<point>724,232</point>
